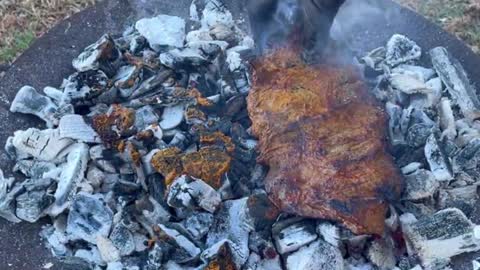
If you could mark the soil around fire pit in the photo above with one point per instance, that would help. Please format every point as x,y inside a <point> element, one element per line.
<point>48,61</point>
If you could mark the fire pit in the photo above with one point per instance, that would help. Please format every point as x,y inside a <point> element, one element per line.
<point>365,35</point>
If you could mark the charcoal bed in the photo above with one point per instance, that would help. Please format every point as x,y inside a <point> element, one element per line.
<point>48,61</point>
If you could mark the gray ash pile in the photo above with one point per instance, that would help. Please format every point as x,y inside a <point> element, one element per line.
<point>147,160</point>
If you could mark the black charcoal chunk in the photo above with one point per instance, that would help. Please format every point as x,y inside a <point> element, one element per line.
<point>317,255</point>
<point>198,224</point>
<point>178,247</point>
<point>34,169</point>
<point>8,193</point>
<point>29,101</point>
<point>123,240</point>
<point>144,117</point>
<point>437,238</point>
<point>36,198</point>
<point>438,160</point>
<point>294,236</point>
<point>56,241</point>
<point>89,217</point>
<point>421,184</point>
<point>233,226</point>
<point>96,55</point>
<point>456,79</point>
<point>401,49</point>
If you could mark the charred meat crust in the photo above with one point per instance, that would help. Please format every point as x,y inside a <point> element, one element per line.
<point>323,137</point>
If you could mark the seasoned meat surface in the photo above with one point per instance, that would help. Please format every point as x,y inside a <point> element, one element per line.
<point>323,137</point>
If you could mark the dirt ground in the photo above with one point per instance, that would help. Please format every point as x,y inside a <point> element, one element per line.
<point>22,21</point>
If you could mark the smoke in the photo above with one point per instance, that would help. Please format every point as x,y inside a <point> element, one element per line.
<point>272,21</point>
<point>273,24</point>
<point>299,23</point>
<point>355,15</point>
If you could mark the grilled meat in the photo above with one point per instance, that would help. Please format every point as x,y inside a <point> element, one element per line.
<point>323,137</point>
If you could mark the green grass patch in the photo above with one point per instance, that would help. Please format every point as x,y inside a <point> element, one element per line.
<point>20,41</point>
<point>443,10</point>
<point>454,17</point>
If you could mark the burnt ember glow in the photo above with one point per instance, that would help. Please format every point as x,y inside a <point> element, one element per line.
<point>169,147</point>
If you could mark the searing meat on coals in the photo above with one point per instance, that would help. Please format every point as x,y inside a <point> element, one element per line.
<point>324,139</point>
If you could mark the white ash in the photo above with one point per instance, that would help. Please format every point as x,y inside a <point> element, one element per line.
<point>382,253</point>
<point>447,119</point>
<point>89,217</point>
<point>53,93</point>
<point>463,198</point>
<point>172,117</point>
<point>411,168</point>
<point>431,112</point>
<point>34,169</point>
<point>91,57</point>
<point>71,175</point>
<point>233,59</point>
<point>108,252</point>
<point>29,101</point>
<point>255,262</point>
<point>162,30</point>
<point>73,126</point>
<point>44,145</point>
<point>184,243</point>
<point>193,193</point>
<point>330,233</point>
<point>198,224</point>
<point>420,73</point>
<point>374,59</point>
<point>401,49</point>
<point>123,239</point>
<point>115,266</point>
<point>438,160</point>
<point>8,192</point>
<point>458,85</point>
<point>214,12</point>
<point>35,199</point>
<point>294,236</point>
<point>476,264</point>
<point>437,238</point>
<point>317,255</point>
<point>145,117</point>
<point>82,87</point>
<point>92,256</point>
<point>56,240</point>
<point>420,184</point>
<point>408,84</point>
<point>232,225</point>
<point>112,210</point>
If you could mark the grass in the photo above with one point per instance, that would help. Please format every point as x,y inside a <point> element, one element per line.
<point>459,17</point>
<point>20,41</point>
<point>22,21</point>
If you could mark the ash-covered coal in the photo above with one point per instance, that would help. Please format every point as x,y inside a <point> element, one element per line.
<point>431,128</point>
<point>147,160</point>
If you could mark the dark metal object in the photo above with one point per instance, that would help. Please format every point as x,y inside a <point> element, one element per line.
<point>48,61</point>
<point>308,20</point>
